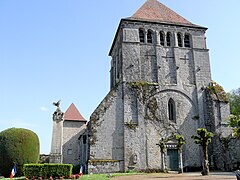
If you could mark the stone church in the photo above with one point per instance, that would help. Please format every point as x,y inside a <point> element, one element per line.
<point>160,85</point>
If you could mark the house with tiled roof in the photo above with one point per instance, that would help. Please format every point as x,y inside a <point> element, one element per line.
<point>68,143</point>
<point>74,125</point>
<point>160,80</point>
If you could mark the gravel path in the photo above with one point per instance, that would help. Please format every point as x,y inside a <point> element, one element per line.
<point>174,176</point>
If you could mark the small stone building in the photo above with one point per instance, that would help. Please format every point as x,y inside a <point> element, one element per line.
<point>160,85</point>
<point>67,142</point>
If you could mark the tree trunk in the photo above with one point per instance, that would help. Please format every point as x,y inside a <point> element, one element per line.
<point>180,170</point>
<point>205,171</point>
<point>163,161</point>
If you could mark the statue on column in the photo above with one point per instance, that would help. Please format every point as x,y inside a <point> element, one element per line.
<point>58,114</point>
<point>57,135</point>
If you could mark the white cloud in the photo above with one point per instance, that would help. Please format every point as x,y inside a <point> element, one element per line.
<point>22,124</point>
<point>44,109</point>
<point>17,123</point>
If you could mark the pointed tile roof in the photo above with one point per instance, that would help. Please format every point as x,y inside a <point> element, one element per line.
<point>72,114</point>
<point>153,10</point>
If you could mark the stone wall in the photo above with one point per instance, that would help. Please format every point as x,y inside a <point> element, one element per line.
<point>216,113</point>
<point>71,133</point>
<point>44,158</point>
<point>57,137</point>
<point>134,116</point>
<point>106,128</point>
<point>103,166</point>
<point>141,138</point>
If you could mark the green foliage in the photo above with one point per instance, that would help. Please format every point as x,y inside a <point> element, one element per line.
<point>142,83</point>
<point>204,137</point>
<point>18,146</point>
<point>16,178</point>
<point>47,170</point>
<point>217,90</point>
<point>181,141</point>
<point>162,144</point>
<point>234,122</point>
<point>33,170</point>
<point>234,101</point>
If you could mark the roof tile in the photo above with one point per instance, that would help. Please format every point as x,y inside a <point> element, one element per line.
<point>72,114</point>
<point>155,11</point>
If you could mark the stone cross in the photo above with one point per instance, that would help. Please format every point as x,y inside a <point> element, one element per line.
<point>168,57</point>
<point>184,59</point>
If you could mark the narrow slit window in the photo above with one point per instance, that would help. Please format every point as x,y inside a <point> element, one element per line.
<point>149,36</point>
<point>179,38</point>
<point>169,39</point>
<point>162,38</point>
<point>187,40</point>
<point>171,110</point>
<point>141,35</point>
<point>84,139</point>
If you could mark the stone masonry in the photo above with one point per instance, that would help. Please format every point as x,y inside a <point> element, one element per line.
<point>159,72</point>
<point>67,142</point>
<point>57,137</point>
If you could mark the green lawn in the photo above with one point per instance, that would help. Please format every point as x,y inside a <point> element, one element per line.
<point>104,176</point>
<point>17,178</point>
<point>92,176</point>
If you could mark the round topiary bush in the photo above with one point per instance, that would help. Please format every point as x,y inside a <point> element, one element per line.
<point>19,146</point>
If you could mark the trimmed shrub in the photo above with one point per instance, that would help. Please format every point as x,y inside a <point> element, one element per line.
<point>19,146</point>
<point>33,170</point>
<point>47,170</point>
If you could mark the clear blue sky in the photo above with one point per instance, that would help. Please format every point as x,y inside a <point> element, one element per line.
<point>58,49</point>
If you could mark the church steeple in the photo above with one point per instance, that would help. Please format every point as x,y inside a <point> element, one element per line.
<point>153,10</point>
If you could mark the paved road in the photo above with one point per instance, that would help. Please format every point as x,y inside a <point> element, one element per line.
<point>175,176</point>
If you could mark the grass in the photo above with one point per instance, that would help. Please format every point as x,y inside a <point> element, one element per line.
<point>126,174</point>
<point>93,176</point>
<point>106,176</point>
<point>16,178</point>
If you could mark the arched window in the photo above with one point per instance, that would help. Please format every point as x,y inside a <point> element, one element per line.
<point>141,35</point>
<point>169,39</point>
<point>171,110</point>
<point>149,36</point>
<point>179,38</point>
<point>187,40</point>
<point>162,38</point>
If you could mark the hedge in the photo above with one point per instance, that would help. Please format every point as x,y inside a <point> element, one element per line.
<point>17,146</point>
<point>47,170</point>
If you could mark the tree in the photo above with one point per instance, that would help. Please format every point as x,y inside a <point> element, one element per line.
<point>162,145</point>
<point>180,142</point>
<point>204,139</point>
<point>234,122</point>
<point>234,101</point>
<point>19,146</point>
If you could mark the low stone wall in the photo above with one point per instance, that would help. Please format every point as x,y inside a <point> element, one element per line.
<point>44,158</point>
<point>103,166</point>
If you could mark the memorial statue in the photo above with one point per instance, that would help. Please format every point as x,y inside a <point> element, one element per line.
<point>58,114</point>
<point>57,103</point>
